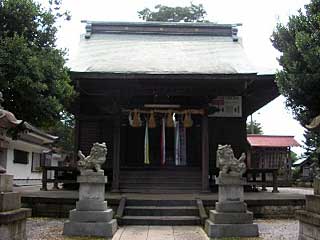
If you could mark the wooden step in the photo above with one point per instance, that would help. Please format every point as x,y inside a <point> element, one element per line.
<point>160,220</point>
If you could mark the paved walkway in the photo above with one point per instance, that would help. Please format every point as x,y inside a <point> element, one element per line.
<point>160,233</point>
<point>51,229</point>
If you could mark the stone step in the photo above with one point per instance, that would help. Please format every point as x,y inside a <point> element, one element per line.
<point>313,203</point>
<point>160,191</point>
<point>160,202</point>
<point>160,179</point>
<point>155,187</point>
<point>163,185</point>
<point>161,211</point>
<point>160,220</point>
<point>160,174</point>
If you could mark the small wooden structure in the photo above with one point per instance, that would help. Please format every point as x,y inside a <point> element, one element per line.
<point>131,74</point>
<point>271,152</point>
<point>307,169</point>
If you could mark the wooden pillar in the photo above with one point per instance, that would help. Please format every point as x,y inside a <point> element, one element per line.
<point>205,153</point>
<point>44,179</point>
<point>76,141</point>
<point>116,153</point>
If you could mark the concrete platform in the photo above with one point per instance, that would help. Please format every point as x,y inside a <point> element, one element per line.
<point>58,203</point>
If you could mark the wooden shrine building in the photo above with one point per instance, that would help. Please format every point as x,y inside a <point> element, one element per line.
<point>272,152</point>
<point>190,82</point>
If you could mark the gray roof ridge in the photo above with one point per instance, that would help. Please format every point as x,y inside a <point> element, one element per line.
<point>39,132</point>
<point>164,28</point>
<point>159,23</point>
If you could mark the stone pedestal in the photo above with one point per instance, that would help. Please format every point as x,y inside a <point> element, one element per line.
<point>91,216</point>
<point>231,217</point>
<point>12,217</point>
<point>309,219</point>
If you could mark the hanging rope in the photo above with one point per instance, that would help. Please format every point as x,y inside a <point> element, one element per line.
<point>152,121</point>
<point>136,122</point>
<point>169,121</point>
<point>187,121</point>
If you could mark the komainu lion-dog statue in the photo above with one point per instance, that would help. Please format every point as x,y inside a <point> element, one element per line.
<point>228,163</point>
<point>95,159</point>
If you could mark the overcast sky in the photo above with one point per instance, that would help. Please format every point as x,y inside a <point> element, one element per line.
<point>259,18</point>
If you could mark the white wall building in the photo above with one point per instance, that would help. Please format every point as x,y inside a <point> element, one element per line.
<point>24,156</point>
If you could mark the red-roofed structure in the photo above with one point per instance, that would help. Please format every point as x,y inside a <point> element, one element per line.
<point>256,140</point>
<point>271,152</point>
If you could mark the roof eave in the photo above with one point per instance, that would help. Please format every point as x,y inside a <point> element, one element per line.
<point>142,75</point>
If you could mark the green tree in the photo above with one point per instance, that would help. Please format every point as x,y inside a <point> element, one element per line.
<point>193,13</point>
<point>293,156</point>
<point>65,130</point>
<point>312,143</point>
<point>299,79</point>
<point>254,128</point>
<point>33,77</point>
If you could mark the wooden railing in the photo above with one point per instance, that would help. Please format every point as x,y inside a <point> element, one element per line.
<point>254,176</point>
<point>58,176</point>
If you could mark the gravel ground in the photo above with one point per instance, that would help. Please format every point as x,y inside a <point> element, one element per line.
<point>51,229</point>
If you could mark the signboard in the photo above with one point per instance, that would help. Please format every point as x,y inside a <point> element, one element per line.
<point>225,106</point>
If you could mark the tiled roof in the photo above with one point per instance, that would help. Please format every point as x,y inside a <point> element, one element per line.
<point>271,141</point>
<point>161,48</point>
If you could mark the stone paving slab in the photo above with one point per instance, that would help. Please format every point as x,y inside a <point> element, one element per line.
<point>160,233</point>
<point>135,233</point>
<point>51,229</point>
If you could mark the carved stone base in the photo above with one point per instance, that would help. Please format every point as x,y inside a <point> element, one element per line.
<point>309,219</point>
<point>9,201</point>
<point>231,230</point>
<point>91,216</point>
<point>12,216</point>
<point>13,224</point>
<point>6,183</point>
<point>99,229</point>
<point>231,218</point>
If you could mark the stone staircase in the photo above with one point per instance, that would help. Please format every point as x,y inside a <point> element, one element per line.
<point>160,212</point>
<point>160,181</point>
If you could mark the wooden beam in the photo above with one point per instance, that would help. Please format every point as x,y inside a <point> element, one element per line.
<point>116,153</point>
<point>205,152</point>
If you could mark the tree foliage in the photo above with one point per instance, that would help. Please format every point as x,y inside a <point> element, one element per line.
<point>34,81</point>
<point>254,128</point>
<point>312,143</point>
<point>293,156</point>
<point>65,130</point>
<point>299,79</point>
<point>193,13</point>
